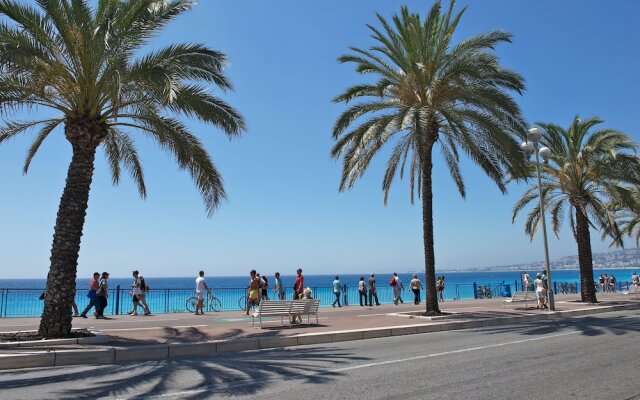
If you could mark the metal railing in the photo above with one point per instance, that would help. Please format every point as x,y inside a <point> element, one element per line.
<point>26,303</point>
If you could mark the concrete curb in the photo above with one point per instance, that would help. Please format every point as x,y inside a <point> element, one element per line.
<point>99,338</point>
<point>110,355</point>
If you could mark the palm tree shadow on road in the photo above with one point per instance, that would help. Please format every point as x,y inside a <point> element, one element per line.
<point>245,373</point>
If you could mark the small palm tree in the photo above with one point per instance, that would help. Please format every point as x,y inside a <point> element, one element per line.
<point>428,91</point>
<point>82,63</point>
<point>585,173</point>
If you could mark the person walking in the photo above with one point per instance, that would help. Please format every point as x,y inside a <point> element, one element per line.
<point>93,287</point>
<point>362,291</point>
<point>135,292</point>
<point>278,288</point>
<point>101,295</point>
<point>201,286</point>
<point>144,290</point>
<point>255,288</point>
<point>373,291</point>
<point>606,283</point>
<point>397,289</point>
<point>601,282</point>
<point>337,290</point>
<point>265,288</point>
<point>298,286</point>
<point>415,286</point>
<point>541,292</point>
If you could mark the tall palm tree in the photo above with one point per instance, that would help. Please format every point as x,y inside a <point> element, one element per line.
<point>586,171</point>
<point>428,91</point>
<point>82,63</point>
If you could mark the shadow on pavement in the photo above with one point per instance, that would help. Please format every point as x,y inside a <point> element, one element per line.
<point>244,373</point>
<point>587,326</point>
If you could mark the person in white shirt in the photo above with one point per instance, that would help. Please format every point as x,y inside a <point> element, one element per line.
<point>635,279</point>
<point>135,291</point>
<point>201,286</point>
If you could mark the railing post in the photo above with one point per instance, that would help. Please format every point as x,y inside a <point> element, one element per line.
<point>166,301</point>
<point>475,290</point>
<point>555,287</point>
<point>117,311</point>
<point>345,295</point>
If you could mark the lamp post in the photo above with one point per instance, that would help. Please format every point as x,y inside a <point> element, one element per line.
<point>532,146</point>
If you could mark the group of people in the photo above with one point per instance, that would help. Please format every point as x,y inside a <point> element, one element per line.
<point>607,283</point>
<point>97,294</point>
<point>541,287</point>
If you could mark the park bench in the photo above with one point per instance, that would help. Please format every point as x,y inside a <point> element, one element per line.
<point>633,290</point>
<point>286,308</point>
<point>521,297</point>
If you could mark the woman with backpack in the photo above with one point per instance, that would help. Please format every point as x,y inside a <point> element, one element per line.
<point>144,289</point>
<point>101,295</point>
<point>396,283</point>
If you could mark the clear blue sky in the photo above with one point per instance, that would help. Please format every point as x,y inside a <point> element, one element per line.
<point>284,209</point>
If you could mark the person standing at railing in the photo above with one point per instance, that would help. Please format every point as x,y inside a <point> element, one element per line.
<point>635,279</point>
<point>278,288</point>
<point>527,282</point>
<point>337,291</point>
<point>201,286</point>
<point>440,288</point>
<point>101,295</point>
<point>373,290</point>
<point>93,287</point>
<point>362,291</point>
<point>415,286</point>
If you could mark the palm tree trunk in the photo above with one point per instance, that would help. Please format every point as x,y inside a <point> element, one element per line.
<point>61,280</point>
<point>427,233</point>
<point>585,259</point>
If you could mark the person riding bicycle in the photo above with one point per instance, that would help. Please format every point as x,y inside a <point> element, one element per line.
<point>201,285</point>
<point>253,297</point>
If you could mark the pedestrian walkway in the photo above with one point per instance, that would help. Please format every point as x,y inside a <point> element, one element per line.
<point>231,329</point>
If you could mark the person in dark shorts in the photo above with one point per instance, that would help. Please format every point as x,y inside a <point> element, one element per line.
<point>93,287</point>
<point>362,291</point>
<point>298,286</point>
<point>373,291</point>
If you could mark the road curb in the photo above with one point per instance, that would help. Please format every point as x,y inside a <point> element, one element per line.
<point>110,355</point>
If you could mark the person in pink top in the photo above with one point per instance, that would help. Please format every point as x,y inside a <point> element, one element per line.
<point>93,286</point>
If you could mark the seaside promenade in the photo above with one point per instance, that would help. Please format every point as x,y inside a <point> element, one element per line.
<point>126,338</point>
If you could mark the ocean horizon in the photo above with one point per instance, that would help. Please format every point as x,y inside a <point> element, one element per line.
<point>325,280</point>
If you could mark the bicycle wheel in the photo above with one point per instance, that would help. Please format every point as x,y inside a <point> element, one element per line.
<point>191,304</point>
<point>215,304</point>
<point>242,303</point>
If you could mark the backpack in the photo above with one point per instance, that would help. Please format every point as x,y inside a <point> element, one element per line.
<point>392,281</point>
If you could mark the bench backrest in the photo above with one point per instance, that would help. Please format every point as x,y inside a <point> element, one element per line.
<point>519,296</point>
<point>299,306</point>
<point>274,306</point>
<point>312,306</point>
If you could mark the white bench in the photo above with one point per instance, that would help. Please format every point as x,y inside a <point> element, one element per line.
<point>286,308</point>
<point>633,290</point>
<point>521,297</point>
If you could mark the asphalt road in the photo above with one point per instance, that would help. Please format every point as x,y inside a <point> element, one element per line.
<point>590,357</point>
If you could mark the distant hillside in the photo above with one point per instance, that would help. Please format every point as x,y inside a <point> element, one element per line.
<point>627,258</point>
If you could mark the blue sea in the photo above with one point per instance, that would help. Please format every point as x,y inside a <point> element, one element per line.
<point>19,297</point>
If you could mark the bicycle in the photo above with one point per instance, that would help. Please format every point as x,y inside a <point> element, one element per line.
<point>211,303</point>
<point>242,303</point>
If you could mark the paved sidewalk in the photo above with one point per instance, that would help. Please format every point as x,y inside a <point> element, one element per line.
<point>169,335</point>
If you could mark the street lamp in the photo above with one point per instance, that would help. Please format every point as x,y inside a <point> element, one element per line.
<point>532,147</point>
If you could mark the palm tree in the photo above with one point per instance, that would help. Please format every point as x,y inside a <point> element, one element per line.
<point>586,171</point>
<point>81,63</point>
<point>428,91</point>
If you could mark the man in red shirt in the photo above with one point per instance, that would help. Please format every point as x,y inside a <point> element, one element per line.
<point>298,287</point>
<point>93,286</point>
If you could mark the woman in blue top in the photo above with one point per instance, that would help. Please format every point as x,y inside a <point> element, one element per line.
<point>337,289</point>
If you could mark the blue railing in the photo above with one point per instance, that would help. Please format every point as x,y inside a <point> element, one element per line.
<point>26,303</point>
